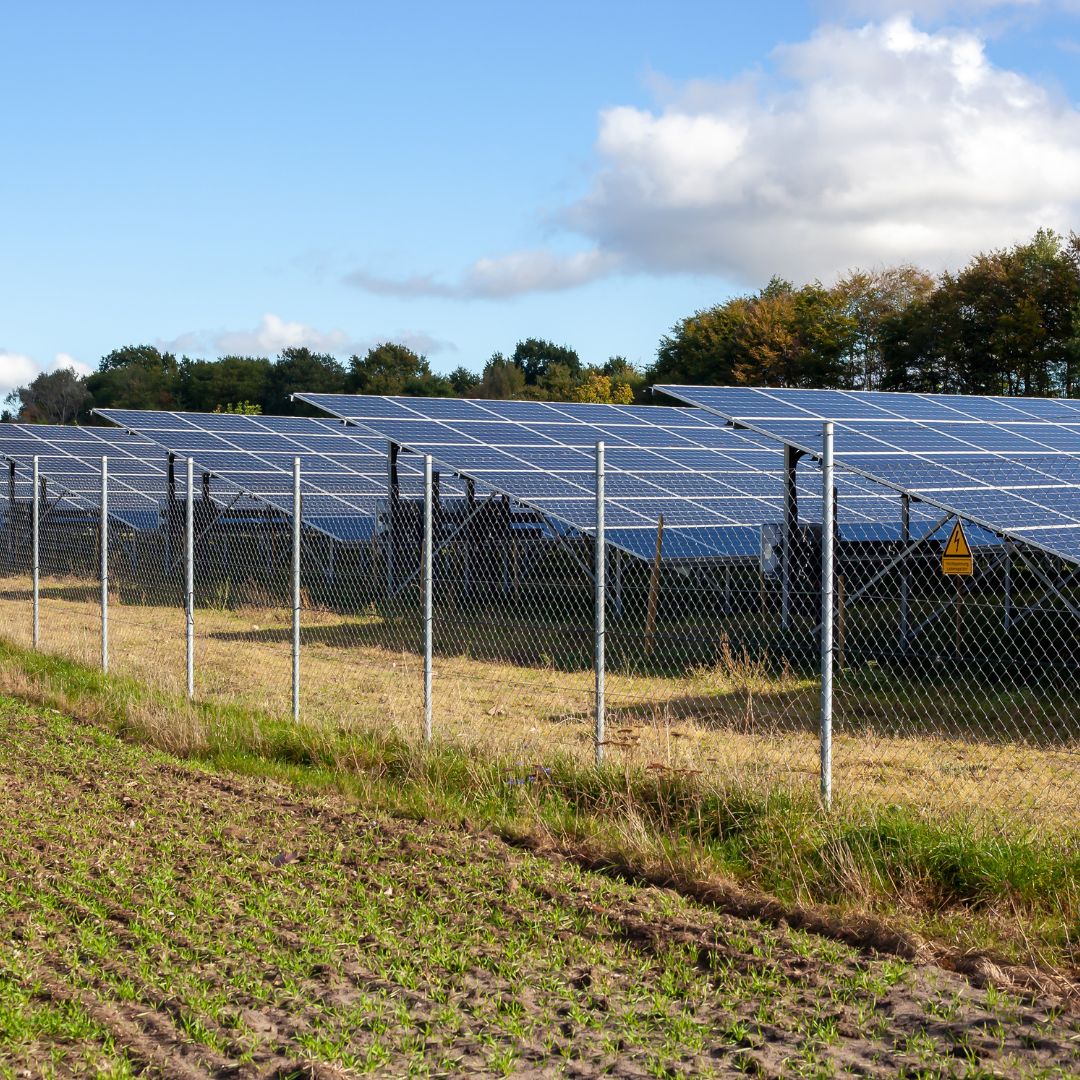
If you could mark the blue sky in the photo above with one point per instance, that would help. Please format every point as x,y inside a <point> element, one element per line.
<point>241,176</point>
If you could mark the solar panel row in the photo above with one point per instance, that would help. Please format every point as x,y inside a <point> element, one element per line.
<point>1009,464</point>
<point>69,459</point>
<point>343,475</point>
<point>713,486</point>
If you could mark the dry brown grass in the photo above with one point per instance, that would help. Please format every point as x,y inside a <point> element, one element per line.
<point>735,718</point>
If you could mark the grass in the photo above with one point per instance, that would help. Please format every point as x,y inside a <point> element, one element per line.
<point>899,739</point>
<point>162,918</point>
<point>870,875</point>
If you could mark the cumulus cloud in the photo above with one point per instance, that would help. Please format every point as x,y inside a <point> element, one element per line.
<point>500,277</point>
<point>872,145</point>
<point>859,146</point>
<point>17,370</point>
<point>273,333</point>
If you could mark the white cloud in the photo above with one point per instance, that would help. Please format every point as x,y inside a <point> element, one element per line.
<point>499,277</point>
<point>273,333</point>
<point>872,145</point>
<point>860,146</point>
<point>17,370</point>
<point>66,360</point>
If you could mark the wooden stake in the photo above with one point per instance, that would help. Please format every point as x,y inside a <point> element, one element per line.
<point>654,589</point>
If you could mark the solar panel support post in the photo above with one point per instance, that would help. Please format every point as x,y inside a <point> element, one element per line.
<point>296,508</point>
<point>506,552</point>
<point>1006,614</point>
<point>600,560</point>
<point>618,582</point>
<point>170,504</point>
<point>905,574</point>
<point>791,529</point>
<point>35,554</point>
<point>393,489</point>
<point>467,533</point>
<point>827,538</point>
<point>9,531</point>
<point>189,573</point>
<point>103,544</point>
<point>429,623</point>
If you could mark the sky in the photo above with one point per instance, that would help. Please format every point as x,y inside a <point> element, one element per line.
<point>241,177</point>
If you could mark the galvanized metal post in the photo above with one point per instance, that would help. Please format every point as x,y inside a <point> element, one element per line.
<point>905,570</point>
<point>600,561</point>
<point>827,537</point>
<point>296,589</point>
<point>428,593</point>
<point>189,576</point>
<point>103,530</point>
<point>35,553</point>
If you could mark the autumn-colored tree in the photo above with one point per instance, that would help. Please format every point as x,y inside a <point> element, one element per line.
<point>598,389</point>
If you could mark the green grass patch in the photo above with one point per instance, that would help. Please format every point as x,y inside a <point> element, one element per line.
<point>942,878</point>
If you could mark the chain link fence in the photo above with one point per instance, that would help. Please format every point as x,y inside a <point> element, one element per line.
<point>472,619</point>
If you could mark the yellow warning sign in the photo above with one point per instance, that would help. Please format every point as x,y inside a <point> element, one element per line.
<point>956,558</point>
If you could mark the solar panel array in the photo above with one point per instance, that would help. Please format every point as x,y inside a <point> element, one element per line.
<point>1009,464</point>
<point>69,458</point>
<point>714,487</point>
<point>343,473</point>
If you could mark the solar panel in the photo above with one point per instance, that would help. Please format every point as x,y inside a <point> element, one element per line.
<point>715,487</point>
<point>343,473</point>
<point>1011,465</point>
<point>69,459</point>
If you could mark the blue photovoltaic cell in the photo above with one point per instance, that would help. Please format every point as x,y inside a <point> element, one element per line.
<point>1011,465</point>
<point>343,474</point>
<point>69,460</point>
<point>713,485</point>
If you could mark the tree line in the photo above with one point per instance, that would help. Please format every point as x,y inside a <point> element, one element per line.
<point>145,377</point>
<point>1007,323</point>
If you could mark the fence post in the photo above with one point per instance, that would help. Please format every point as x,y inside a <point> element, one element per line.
<point>599,568</point>
<point>827,536</point>
<point>296,588</point>
<point>428,589</point>
<point>35,553</point>
<point>189,577</point>
<point>104,533</point>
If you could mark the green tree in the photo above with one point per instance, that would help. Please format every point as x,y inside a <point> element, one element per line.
<point>699,349</point>
<point>782,336</point>
<point>53,397</point>
<point>205,385</point>
<point>1004,324</point>
<point>240,408</point>
<point>502,379</point>
<point>535,356</point>
<point>392,369</point>
<point>136,377</point>
<point>297,370</point>
<point>463,381</point>
<point>874,300</point>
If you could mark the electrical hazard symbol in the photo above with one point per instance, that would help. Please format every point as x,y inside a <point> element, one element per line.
<point>956,558</point>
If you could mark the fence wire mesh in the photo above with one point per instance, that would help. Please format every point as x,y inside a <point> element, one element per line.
<point>953,696</point>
